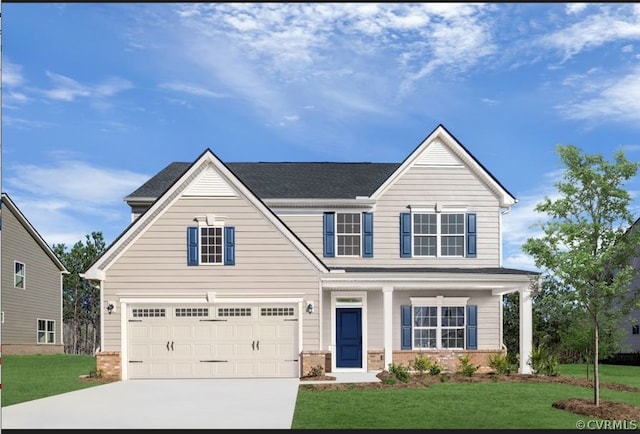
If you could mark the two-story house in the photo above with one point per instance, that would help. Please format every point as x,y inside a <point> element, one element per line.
<point>31,292</point>
<point>271,269</point>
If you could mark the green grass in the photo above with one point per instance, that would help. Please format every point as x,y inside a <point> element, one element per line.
<point>454,405</point>
<point>25,378</point>
<point>629,375</point>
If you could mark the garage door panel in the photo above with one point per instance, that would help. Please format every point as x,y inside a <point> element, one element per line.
<point>221,342</point>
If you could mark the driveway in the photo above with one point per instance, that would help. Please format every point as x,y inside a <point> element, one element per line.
<point>163,404</point>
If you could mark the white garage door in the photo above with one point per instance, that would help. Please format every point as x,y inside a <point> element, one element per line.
<point>221,341</point>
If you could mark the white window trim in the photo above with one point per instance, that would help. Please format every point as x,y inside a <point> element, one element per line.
<point>211,221</point>
<point>46,331</point>
<point>438,233</point>
<point>361,234</point>
<point>24,275</point>
<point>438,302</point>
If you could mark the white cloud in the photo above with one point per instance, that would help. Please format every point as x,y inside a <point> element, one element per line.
<point>68,89</point>
<point>192,90</point>
<point>575,8</point>
<point>11,74</point>
<point>602,97</point>
<point>611,24</point>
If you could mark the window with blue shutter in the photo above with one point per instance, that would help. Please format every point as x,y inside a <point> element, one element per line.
<point>217,248</point>
<point>472,327</point>
<point>471,236</point>
<point>367,232</point>
<point>329,235</point>
<point>405,339</point>
<point>405,235</point>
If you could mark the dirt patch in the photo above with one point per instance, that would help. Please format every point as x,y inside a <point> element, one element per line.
<point>606,410</point>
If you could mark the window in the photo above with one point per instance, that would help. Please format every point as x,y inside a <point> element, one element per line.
<point>438,323</point>
<point>635,330</point>
<point>46,331</point>
<point>348,234</point>
<point>437,234</point>
<point>19,274</point>
<point>433,233</point>
<point>212,244</point>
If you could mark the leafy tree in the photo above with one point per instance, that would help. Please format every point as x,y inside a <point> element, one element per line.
<point>80,300</point>
<point>587,246</point>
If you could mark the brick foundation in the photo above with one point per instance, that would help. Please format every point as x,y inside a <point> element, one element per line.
<point>311,359</point>
<point>32,349</point>
<point>109,364</point>
<point>449,358</point>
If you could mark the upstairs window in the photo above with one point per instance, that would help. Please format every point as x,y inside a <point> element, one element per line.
<point>437,234</point>
<point>211,242</point>
<point>348,234</point>
<point>19,275</point>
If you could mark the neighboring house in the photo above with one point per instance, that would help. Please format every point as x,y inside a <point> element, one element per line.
<point>273,269</point>
<point>631,324</point>
<point>31,295</point>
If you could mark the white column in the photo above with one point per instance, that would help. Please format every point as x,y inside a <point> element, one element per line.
<point>526,330</point>
<point>387,307</point>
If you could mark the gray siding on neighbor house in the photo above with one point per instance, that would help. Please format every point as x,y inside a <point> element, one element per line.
<point>41,297</point>
<point>267,264</point>
<point>420,185</point>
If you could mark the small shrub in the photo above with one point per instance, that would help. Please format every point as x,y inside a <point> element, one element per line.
<point>500,364</point>
<point>444,379</point>
<point>95,373</point>
<point>466,368</point>
<point>421,364</point>
<point>543,362</point>
<point>435,369</point>
<point>400,371</point>
<point>316,371</point>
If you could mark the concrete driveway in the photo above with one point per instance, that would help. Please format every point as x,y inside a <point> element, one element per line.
<point>163,404</point>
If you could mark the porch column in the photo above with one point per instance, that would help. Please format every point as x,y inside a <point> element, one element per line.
<point>526,330</point>
<point>387,307</point>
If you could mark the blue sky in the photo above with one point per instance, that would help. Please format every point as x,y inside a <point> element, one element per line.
<point>98,97</point>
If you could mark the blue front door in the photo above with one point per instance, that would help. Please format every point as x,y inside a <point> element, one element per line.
<point>348,337</point>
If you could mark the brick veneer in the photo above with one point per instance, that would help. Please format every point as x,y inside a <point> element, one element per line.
<point>449,358</point>
<point>26,349</point>
<point>109,364</point>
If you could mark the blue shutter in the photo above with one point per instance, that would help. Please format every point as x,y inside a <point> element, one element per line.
<point>472,327</point>
<point>406,327</point>
<point>471,235</point>
<point>192,245</point>
<point>405,235</point>
<point>367,230</point>
<point>329,234</point>
<point>229,245</point>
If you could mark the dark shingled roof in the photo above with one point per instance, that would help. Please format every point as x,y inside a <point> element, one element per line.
<point>321,180</point>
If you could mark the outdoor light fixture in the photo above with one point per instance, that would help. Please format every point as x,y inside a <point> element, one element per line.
<point>310,307</point>
<point>110,308</point>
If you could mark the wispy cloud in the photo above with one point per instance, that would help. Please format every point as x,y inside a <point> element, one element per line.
<point>193,90</point>
<point>11,74</point>
<point>67,193</point>
<point>600,97</point>
<point>612,23</point>
<point>68,89</point>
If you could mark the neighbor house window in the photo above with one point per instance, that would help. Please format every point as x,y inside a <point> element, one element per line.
<point>438,322</point>
<point>18,280</point>
<point>635,330</point>
<point>46,331</point>
<point>438,234</point>
<point>348,234</point>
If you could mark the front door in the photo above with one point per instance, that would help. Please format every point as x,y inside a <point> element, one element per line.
<point>349,337</point>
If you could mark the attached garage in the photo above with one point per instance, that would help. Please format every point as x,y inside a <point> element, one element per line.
<point>212,341</point>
